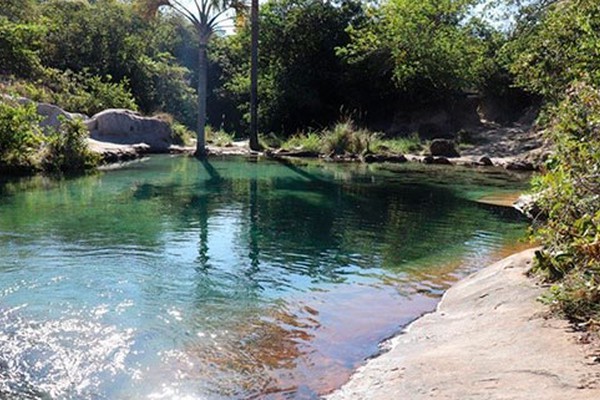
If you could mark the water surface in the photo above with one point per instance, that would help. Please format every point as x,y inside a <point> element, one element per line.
<point>176,279</point>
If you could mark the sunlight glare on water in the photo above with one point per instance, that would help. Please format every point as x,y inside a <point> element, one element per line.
<point>176,279</point>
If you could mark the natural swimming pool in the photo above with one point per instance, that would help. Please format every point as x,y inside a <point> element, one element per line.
<point>231,278</point>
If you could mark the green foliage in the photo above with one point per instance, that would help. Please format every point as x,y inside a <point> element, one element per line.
<point>569,194</point>
<point>218,137</point>
<point>25,149</point>
<point>400,145</point>
<point>19,10</point>
<point>181,134</point>
<point>302,81</point>
<point>98,55</point>
<point>426,44</point>
<point>67,150</point>
<point>19,47</point>
<point>75,92</point>
<point>311,141</point>
<point>345,137</point>
<point>20,136</point>
<point>563,46</point>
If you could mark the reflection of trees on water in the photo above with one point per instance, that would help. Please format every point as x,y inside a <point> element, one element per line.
<point>292,227</point>
<point>293,215</point>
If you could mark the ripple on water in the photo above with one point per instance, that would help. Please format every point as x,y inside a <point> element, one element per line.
<point>165,281</point>
<point>65,358</point>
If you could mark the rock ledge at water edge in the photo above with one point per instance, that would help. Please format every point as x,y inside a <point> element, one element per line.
<point>489,339</point>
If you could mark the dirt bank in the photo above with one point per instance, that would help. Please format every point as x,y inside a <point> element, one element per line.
<point>489,339</point>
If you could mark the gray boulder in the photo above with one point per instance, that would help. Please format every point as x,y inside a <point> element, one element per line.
<point>53,114</point>
<point>443,148</point>
<point>128,127</point>
<point>486,161</point>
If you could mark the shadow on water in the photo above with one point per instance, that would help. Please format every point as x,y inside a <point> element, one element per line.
<point>233,279</point>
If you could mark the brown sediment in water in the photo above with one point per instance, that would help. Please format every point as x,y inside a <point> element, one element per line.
<point>314,344</point>
<point>500,199</point>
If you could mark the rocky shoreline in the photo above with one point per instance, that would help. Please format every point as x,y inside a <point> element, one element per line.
<point>490,338</point>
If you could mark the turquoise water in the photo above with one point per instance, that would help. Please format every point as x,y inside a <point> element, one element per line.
<point>176,279</point>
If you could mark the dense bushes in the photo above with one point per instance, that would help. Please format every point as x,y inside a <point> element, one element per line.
<point>427,44</point>
<point>76,92</point>
<point>66,149</point>
<point>97,55</point>
<point>569,194</point>
<point>20,136</point>
<point>561,46</point>
<point>19,47</point>
<point>24,148</point>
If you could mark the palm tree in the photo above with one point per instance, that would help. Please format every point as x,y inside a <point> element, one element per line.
<point>254,145</point>
<point>206,16</point>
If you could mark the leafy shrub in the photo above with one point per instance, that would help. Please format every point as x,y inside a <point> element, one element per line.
<point>218,137</point>
<point>20,135</point>
<point>75,92</point>
<point>569,194</point>
<point>67,149</point>
<point>181,134</point>
<point>19,44</point>
<point>561,47</point>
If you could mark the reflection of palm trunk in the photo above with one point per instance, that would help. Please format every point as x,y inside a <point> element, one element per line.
<point>254,251</point>
<point>203,220</point>
<point>202,87</point>
<point>254,78</point>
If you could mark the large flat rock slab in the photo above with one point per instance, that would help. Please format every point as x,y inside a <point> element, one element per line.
<point>489,339</point>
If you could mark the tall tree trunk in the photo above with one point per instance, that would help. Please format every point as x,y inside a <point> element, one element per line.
<point>254,145</point>
<point>202,94</point>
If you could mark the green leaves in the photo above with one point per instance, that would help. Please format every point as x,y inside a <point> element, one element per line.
<point>67,149</point>
<point>562,47</point>
<point>426,43</point>
<point>19,47</point>
<point>20,135</point>
<point>569,193</point>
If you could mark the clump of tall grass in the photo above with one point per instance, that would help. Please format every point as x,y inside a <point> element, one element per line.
<point>346,138</point>
<point>311,141</point>
<point>400,145</point>
<point>218,137</point>
<point>181,135</point>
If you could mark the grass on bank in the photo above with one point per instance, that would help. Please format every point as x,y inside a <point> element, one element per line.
<point>346,138</point>
<point>183,136</point>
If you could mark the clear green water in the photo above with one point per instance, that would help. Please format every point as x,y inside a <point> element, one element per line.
<point>175,279</point>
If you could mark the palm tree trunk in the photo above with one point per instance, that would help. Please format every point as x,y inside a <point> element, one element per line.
<point>202,94</point>
<point>254,145</point>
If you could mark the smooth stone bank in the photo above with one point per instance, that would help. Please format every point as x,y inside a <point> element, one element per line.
<point>489,339</point>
